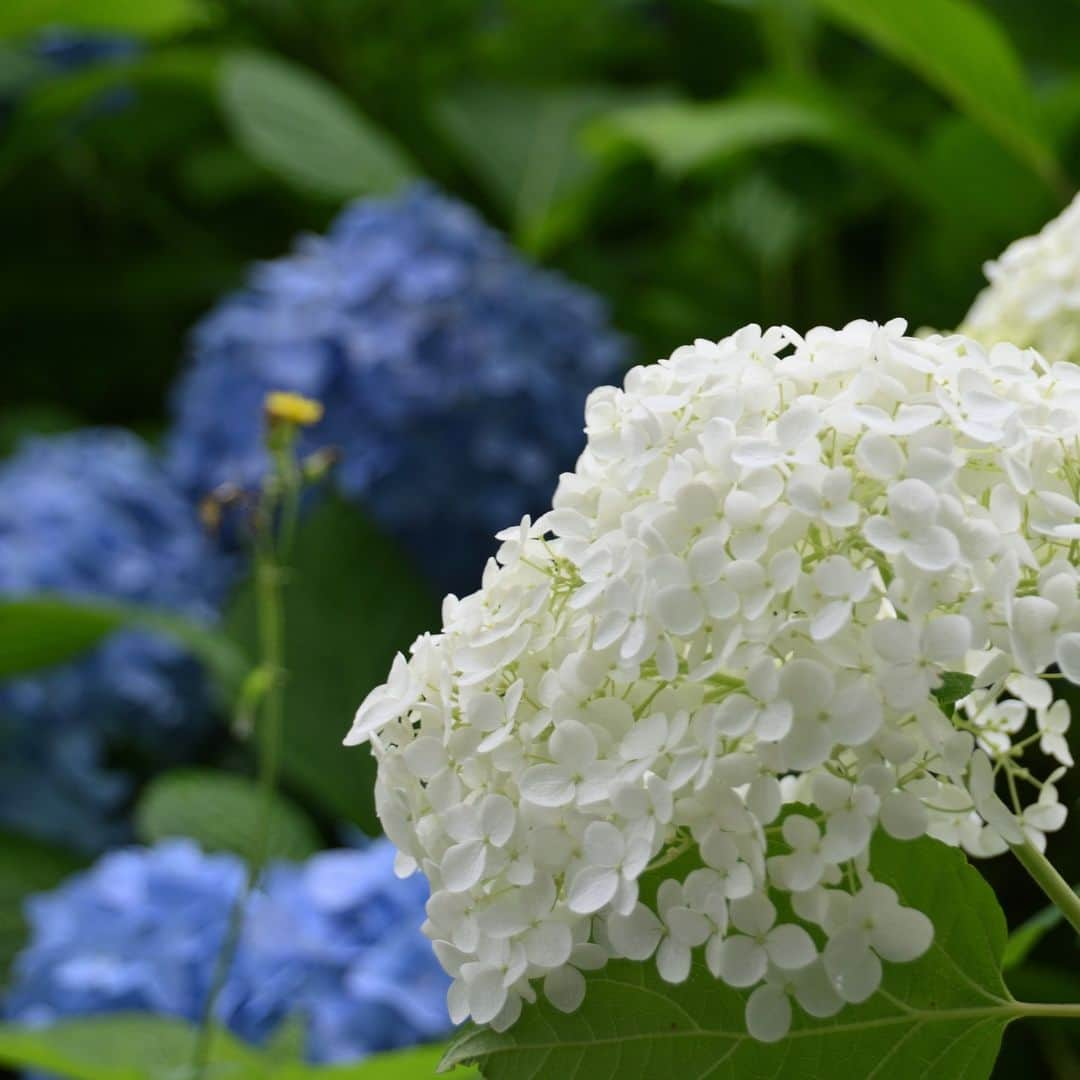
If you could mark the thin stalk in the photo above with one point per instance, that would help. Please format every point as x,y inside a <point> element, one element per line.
<point>270,618</point>
<point>1051,882</point>
<point>1053,1011</point>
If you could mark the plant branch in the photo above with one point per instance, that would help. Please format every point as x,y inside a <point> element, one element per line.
<point>1050,881</point>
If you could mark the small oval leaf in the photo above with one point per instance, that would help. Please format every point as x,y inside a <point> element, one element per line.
<point>304,129</point>
<point>222,812</point>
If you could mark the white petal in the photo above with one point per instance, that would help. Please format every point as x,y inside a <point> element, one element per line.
<point>790,947</point>
<point>768,1014</point>
<point>424,757</point>
<point>457,1002</point>
<point>903,934</point>
<point>879,455</point>
<point>830,620</point>
<point>463,865</point>
<point>673,961</point>
<point>688,927</point>
<point>854,969</point>
<point>487,994</point>
<point>903,816</point>
<point>680,610</point>
<point>815,993</point>
<point>565,988</point>
<point>497,819</point>
<point>947,638</point>
<point>548,945</point>
<point>934,550</point>
<point>741,961</point>
<point>1067,654</point>
<point>895,641</point>
<point>882,534</point>
<point>799,423</point>
<point>591,888</point>
<point>646,738</point>
<point>572,744</point>
<point>636,935</point>
<point>547,785</point>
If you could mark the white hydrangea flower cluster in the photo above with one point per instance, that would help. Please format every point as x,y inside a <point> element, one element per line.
<point>1033,298</point>
<point>774,551</point>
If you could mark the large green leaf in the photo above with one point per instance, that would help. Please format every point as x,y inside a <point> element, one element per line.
<point>989,194</point>
<point>39,633</point>
<point>419,1064</point>
<point>523,144</point>
<point>938,1018</point>
<point>44,630</point>
<point>304,129</point>
<point>136,1046</point>
<point>26,867</point>
<point>957,47</point>
<point>351,602</point>
<point>131,1046</point>
<point>683,135</point>
<point>146,18</point>
<point>223,812</point>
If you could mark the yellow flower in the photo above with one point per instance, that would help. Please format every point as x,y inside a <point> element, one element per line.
<point>286,408</point>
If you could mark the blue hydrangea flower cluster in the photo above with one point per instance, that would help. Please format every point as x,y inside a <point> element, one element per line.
<point>453,374</point>
<point>334,942</point>
<point>64,49</point>
<point>93,514</point>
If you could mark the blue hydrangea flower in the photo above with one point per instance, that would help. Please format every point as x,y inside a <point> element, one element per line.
<point>65,49</point>
<point>453,374</point>
<point>92,514</point>
<point>334,943</point>
<point>139,931</point>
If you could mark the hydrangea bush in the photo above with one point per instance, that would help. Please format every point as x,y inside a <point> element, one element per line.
<point>1033,298</point>
<point>333,942</point>
<point>93,515</point>
<point>452,373</point>
<point>811,585</point>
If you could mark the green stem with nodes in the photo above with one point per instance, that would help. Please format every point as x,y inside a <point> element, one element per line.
<point>271,633</point>
<point>1050,881</point>
<point>281,497</point>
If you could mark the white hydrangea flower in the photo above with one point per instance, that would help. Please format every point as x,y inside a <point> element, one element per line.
<point>1033,298</point>
<point>772,551</point>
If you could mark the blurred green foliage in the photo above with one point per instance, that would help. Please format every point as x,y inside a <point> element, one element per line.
<point>701,163</point>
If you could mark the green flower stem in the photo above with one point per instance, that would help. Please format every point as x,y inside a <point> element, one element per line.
<point>1050,881</point>
<point>1054,1011</point>
<point>270,619</point>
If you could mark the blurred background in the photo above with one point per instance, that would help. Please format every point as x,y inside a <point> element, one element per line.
<point>445,221</point>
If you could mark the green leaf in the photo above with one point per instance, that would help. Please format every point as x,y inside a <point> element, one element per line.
<point>304,129</point>
<point>957,47</point>
<point>351,603</point>
<point>682,135</point>
<point>989,194</point>
<point>955,685</point>
<point>938,1018</point>
<point>523,144</point>
<point>1029,933</point>
<point>418,1064</point>
<point>146,18</point>
<point>124,1046</point>
<point>26,867</point>
<point>39,633</point>
<point>44,630</point>
<point>138,1046</point>
<point>223,812</point>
